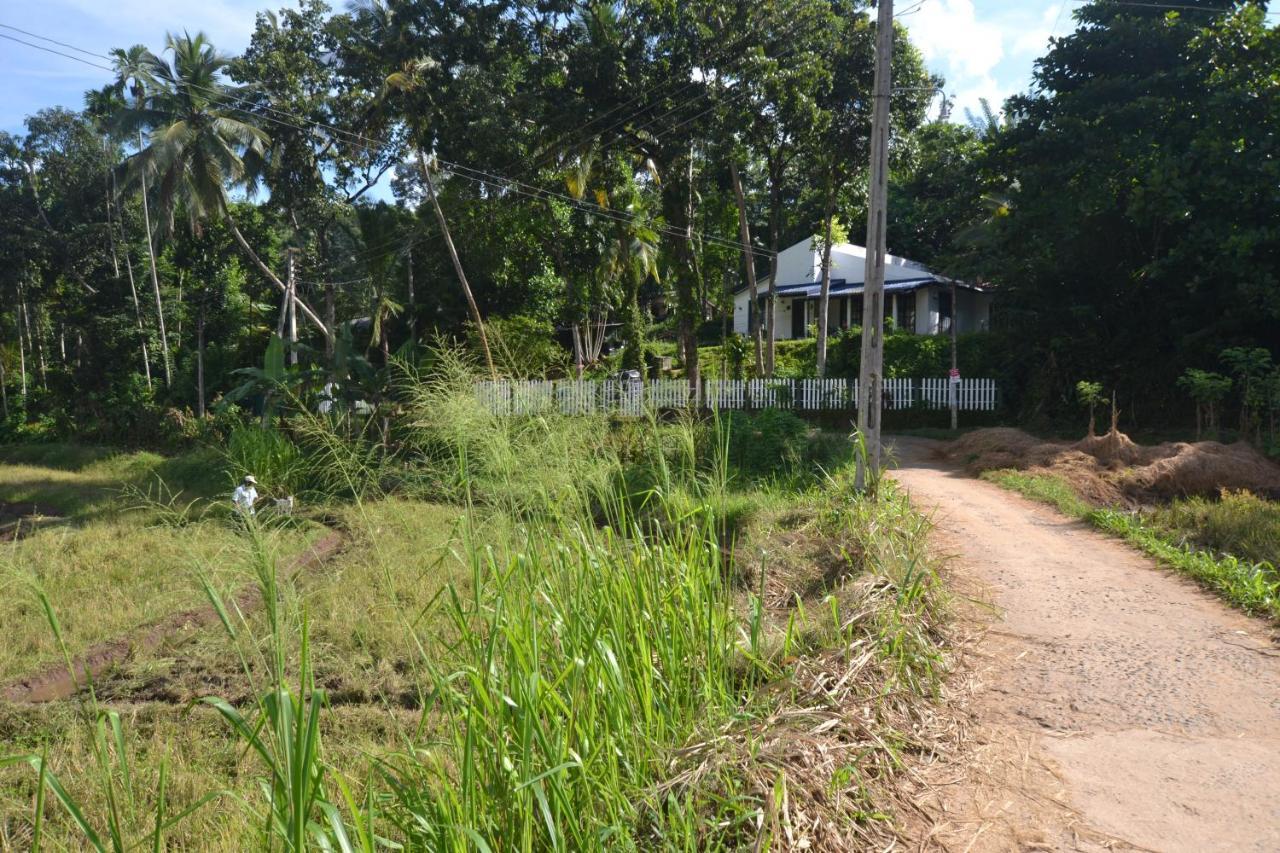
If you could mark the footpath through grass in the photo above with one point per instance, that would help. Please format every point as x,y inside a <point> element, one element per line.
<point>556,633</point>
<point>1229,545</point>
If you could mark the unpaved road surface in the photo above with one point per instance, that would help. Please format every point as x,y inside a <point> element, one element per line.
<point>1110,703</point>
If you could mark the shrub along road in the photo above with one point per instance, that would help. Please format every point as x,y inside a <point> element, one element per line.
<point>1111,704</point>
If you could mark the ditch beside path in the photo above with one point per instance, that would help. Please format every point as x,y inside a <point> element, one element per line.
<point>1110,705</point>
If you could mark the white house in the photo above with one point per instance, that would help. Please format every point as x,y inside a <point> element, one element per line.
<point>918,300</point>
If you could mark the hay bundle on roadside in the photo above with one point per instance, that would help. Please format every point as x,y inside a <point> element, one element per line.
<point>1112,469</point>
<point>1203,468</point>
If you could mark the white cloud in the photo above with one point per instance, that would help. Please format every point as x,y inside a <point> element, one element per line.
<point>1034,39</point>
<point>949,31</point>
<point>984,49</point>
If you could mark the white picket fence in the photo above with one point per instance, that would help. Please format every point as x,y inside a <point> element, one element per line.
<point>580,397</point>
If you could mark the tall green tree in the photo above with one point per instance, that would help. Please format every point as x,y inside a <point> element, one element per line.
<point>1140,235</point>
<point>199,144</point>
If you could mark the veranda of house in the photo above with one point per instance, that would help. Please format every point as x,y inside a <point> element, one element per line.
<point>916,298</point>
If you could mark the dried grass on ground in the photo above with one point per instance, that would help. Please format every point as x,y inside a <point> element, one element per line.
<point>1110,469</point>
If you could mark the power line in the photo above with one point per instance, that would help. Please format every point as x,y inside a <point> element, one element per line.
<point>51,50</point>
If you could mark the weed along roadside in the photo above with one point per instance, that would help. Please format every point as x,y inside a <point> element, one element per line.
<point>548,632</point>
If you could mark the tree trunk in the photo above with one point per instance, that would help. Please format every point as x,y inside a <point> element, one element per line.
<point>133,290</point>
<point>273,278</point>
<point>457,265</point>
<point>330,295</point>
<point>155,278</point>
<point>4,390</point>
<point>292,302</point>
<point>413,305</point>
<point>200,363</point>
<point>748,259</point>
<point>34,345</point>
<point>177,335</point>
<point>677,208</point>
<point>571,297</point>
<point>22,355</point>
<point>824,293</point>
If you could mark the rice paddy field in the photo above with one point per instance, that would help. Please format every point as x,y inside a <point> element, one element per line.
<point>542,633</point>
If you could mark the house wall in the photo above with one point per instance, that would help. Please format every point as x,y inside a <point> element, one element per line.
<point>975,311</point>
<point>781,314</point>
<point>926,311</point>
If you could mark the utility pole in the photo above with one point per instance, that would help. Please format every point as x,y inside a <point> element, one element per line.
<point>291,300</point>
<point>871,368</point>
<point>954,379</point>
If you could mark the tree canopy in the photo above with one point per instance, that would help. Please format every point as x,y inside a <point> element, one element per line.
<point>601,175</point>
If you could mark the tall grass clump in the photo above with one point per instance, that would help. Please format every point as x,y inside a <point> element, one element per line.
<point>524,466</point>
<point>267,454</point>
<point>1238,523</point>
<point>580,664</point>
<point>281,729</point>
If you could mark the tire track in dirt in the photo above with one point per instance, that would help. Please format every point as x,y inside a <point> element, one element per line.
<point>1112,704</point>
<point>60,682</point>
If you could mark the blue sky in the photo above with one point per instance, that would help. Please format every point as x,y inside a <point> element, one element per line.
<point>984,48</point>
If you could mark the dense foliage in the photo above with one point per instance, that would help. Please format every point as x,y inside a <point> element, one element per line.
<point>564,183</point>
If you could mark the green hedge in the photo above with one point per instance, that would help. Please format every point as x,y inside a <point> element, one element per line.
<point>907,356</point>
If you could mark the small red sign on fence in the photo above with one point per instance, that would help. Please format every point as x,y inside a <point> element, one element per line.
<point>954,373</point>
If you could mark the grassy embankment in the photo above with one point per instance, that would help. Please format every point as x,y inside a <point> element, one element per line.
<point>558,633</point>
<point>99,551</point>
<point>1230,545</point>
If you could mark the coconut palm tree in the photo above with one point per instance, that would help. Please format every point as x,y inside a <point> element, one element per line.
<point>132,78</point>
<point>199,143</point>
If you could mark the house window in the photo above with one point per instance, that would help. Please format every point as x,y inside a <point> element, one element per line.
<point>906,311</point>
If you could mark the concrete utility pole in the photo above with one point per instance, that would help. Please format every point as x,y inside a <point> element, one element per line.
<point>871,368</point>
<point>954,379</point>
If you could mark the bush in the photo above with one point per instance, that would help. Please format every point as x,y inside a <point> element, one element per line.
<point>524,347</point>
<point>1238,523</point>
<point>268,455</point>
<point>771,441</point>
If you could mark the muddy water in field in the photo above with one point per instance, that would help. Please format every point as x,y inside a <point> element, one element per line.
<point>1112,704</point>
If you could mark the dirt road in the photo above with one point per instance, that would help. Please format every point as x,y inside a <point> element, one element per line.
<point>1111,704</point>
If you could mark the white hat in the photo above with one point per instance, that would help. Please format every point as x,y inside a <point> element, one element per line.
<point>249,478</point>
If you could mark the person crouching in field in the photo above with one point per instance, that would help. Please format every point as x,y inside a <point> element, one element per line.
<point>245,496</point>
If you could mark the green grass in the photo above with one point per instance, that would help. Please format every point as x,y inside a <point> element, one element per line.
<point>1179,536</point>
<point>116,560</point>
<point>87,481</point>
<point>561,634</point>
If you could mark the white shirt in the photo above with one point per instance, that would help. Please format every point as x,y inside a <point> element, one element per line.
<point>244,497</point>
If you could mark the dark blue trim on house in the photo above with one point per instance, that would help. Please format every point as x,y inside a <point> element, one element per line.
<point>841,287</point>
